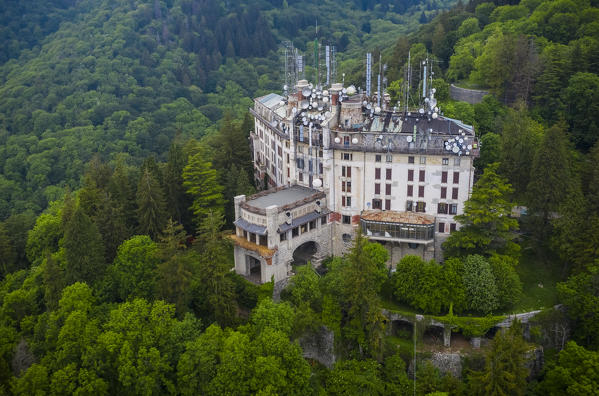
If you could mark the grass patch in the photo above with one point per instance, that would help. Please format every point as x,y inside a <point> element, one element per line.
<point>539,275</point>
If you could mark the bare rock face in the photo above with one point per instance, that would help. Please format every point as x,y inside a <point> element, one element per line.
<point>448,363</point>
<point>319,346</point>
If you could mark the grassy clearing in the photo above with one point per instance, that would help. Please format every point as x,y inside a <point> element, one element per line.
<point>539,275</point>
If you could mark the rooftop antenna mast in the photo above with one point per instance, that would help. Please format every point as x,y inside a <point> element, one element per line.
<point>316,57</point>
<point>290,69</point>
<point>333,64</point>
<point>368,73</point>
<point>380,93</point>
<point>409,80</point>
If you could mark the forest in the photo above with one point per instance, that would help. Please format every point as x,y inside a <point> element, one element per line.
<point>123,127</point>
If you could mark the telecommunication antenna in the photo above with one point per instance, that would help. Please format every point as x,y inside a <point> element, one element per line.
<point>290,66</point>
<point>328,63</point>
<point>368,73</point>
<point>333,64</point>
<point>380,93</point>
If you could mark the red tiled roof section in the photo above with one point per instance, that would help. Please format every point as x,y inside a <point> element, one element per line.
<point>392,216</point>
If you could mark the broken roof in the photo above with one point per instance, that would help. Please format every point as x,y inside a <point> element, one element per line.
<point>392,216</point>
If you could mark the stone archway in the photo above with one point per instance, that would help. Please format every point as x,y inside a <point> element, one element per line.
<point>307,251</point>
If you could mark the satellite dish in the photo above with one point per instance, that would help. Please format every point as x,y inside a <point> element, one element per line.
<point>310,85</point>
<point>351,90</point>
<point>354,141</point>
<point>364,103</point>
<point>325,93</point>
<point>380,137</point>
<point>461,140</point>
<point>434,90</point>
<point>455,149</point>
<point>325,99</point>
<point>306,92</point>
<point>409,139</point>
<point>327,114</point>
<point>274,123</point>
<point>369,106</point>
<point>310,107</point>
<point>305,122</point>
<point>305,104</point>
<point>467,152</point>
<point>377,109</point>
<point>317,183</point>
<point>421,111</point>
<point>320,108</point>
<point>340,99</point>
<point>435,115</point>
<point>426,100</point>
<point>344,90</point>
<point>469,147</point>
<point>337,140</point>
<point>285,87</point>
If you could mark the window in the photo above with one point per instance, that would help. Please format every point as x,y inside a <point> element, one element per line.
<point>445,161</point>
<point>377,188</point>
<point>346,139</point>
<point>442,208</point>
<point>388,189</point>
<point>443,192</point>
<point>279,151</point>
<point>295,232</point>
<point>348,186</point>
<point>410,160</point>
<point>377,158</point>
<point>301,177</point>
<point>389,157</point>
<point>410,174</point>
<point>346,171</point>
<point>456,161</point>
<point>377,173</point>
<point>453,209</point>
<point>388,173</point>
<point>421,176</point>
<point>300,149</point>
<point>304,228</point>
<point>283,236</point>
<point>347,201</point>
<point>420,191</point>
<point>346,219</point>
<point>410,190</point>
<point>343,186</point>
<point>323,220</point>
<point>320,167</point>
<point>452,227</point>
<point>343,200</point>
<point>456,177</point>
<point>313,224</point>
<point>444,177</point>
<point>287,157</point>
<point>420,206</point>
<point>409,206</point>
<point>441,227</point>
<point>377,204</point>
<point>454,193</point>
<point>347,156</point>
<point>387,204</point>
<point>422,160</point>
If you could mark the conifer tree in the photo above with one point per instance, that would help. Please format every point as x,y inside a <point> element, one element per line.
<point>505,365</point>
<point>53,282</point>
<point>175,272</point>
<point>519,139</point>
<point>550,176</point>
<point>84,252</point>
<point>487,227</point>
<point>8,255</point>
<point>216,287</point>
<point>177,201</point>
<point>201,182</point>
<point>151,211</point>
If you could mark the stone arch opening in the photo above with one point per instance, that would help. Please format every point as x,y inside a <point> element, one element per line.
<point>253,268</point>
<point>433,335</point>
<point>304,253</point>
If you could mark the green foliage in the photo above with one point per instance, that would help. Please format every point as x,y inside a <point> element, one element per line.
<point>479,285</point>
<point>574,373</point>
<point>505,365</point>
<point>580,294</point>
<point>84,252</point>
<point>201,183</point>
<point>133,273</point>
<point>486,226</point>
<point>151,210</point>
<point>355,377</point>
<point>270,315</point>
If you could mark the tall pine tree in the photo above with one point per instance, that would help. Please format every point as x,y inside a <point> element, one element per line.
<point>151,208</point>
<point>84,251</point>
<point>201,182</point>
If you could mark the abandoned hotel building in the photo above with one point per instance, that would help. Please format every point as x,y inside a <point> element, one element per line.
<point>335,159</point>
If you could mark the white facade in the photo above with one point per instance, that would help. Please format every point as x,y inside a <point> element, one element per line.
<point>366,159</point>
